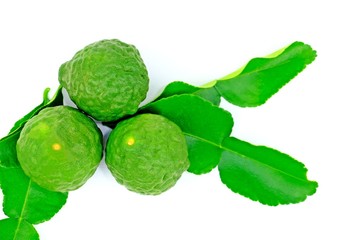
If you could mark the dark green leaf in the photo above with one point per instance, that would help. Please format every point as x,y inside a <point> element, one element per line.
<point>8,156</point>
<point>263,174</point>
<point>8,144</point>
<point>176,88</point>
<point>24,199</point>
<point>209,94</point>
<point>204,125</point>
<point>17,229</point>
<point>261,78</point>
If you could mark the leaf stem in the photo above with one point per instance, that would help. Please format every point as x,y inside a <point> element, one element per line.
<point>25,200</point>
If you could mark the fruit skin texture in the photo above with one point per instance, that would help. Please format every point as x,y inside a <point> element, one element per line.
<point>107,79</point>
<point>60,148</point>
<point>147,153</point>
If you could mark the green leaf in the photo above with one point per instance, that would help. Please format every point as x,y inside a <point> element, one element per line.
<point>24,199</point>
<point>17,229</point>
<point>204,125</point>
<point>177,87</point>
<point>263,174</point>
<point>8,144</point>
<point>253,84</point>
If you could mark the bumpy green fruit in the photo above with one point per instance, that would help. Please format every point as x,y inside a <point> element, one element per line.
<point>147,153</point>
<point>60,148</point>
<point>106,79</point>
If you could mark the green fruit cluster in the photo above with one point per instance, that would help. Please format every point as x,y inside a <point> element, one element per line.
<point>61,147</point>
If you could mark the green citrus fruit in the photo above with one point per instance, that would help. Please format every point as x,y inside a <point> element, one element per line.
<point>107,79</point>
<point>147,153</point>
<point>60,148</point>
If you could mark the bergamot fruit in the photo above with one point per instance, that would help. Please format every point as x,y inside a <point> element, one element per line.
<point>107,79</point>
<point>60,148</point>
<point>147,153</point>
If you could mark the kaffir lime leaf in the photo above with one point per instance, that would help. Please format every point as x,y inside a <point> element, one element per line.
<point>60,148</point>
<point>107,79</point>
<point>147,153</point>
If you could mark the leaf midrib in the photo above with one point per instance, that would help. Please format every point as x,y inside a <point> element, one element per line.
<point>22,210</point>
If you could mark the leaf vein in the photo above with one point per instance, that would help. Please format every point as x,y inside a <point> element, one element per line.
<point>22,210</point>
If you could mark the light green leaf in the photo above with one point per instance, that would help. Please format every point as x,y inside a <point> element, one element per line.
<point>261,78</point>
<point>24,199</point>
<point>8,143</point>
<point>204,125</point>
<point>17,229</point>
<point>263,174</point>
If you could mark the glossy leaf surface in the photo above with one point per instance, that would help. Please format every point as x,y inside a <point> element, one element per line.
<point>263,174</point>
<point>261,78</point>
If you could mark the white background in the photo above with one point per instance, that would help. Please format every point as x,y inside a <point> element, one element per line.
<point>314,118</point>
